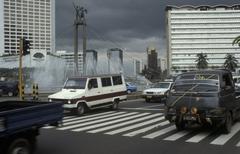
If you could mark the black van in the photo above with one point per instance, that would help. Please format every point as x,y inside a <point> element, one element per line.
<point>203,97</point>
<point>9,88</point>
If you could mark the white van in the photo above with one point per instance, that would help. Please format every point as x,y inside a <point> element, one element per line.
<point>91,92</point>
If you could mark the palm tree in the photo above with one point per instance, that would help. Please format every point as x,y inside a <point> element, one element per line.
<point>230,62</point>
<point>236,41</point>
<point>202,61</point>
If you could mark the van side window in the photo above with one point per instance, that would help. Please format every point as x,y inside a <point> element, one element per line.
<point>117,80</point>
<point>106,82</point>
<point>93,83</point>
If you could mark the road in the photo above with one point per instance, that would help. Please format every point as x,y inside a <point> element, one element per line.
<point>136,128</point>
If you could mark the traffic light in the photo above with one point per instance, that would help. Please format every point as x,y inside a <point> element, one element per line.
<point>26,47</point>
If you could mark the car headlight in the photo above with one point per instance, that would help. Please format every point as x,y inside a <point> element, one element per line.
<point>69,101</point>
<point>50,100</point>
<point>172,110</point>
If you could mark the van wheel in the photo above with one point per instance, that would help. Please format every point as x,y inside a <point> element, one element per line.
<point>228,123</point>
<point>81,109</point>
<point>115,104</point>
<point>19,146</point>
<point>10,94</point>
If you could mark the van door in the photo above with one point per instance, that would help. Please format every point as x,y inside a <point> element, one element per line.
<point>107,89</point>
<point>93,92</point>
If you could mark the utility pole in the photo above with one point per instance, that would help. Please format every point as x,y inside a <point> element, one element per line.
<point>20,79</point>
<point>80,21</point>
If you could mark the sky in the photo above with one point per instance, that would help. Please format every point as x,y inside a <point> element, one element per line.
<point>132,25</point>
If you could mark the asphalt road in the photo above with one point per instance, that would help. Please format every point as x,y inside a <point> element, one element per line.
<point>136,128</point>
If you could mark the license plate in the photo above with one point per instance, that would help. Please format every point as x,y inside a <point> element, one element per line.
<point>149,96</point>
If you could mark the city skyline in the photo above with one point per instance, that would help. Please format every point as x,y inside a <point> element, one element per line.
<point>129,24</point>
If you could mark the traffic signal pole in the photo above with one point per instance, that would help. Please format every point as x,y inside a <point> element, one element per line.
<point>20,78</point>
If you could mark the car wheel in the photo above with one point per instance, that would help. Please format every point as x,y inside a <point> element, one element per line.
<point>147,100</point>
<point>19,146</point>
<point>228,123</point>
<point>81,109</point>
<point>128,91</point>
<point>115,104</point>
<point>10,94</point>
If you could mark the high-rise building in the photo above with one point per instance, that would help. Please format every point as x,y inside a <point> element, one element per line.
<point>138,66</point>
<point>201,29</point>
<point>152,58</point>
<point>32,19</point>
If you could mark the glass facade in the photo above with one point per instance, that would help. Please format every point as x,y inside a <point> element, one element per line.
<point>32,19</point>
<point>193,30</point>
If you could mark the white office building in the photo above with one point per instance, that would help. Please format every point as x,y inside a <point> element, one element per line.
<point>32,19</point>
<point>201,29</point>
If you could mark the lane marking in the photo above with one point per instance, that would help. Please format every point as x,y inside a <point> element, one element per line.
<point>177,135</point>
<point>222,139</point>
<point>134,126</point>
<point>160,132</point>
<point>93,122</point>
<point>140,131</point>
<point>197,138</point>
<point>67,117</point>
<point>126,123</point>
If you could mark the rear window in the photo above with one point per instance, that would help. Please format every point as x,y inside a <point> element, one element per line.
<point>117,80</point>
<point>106,82</point>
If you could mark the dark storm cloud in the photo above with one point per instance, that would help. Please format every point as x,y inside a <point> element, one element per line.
<point>127,23</point>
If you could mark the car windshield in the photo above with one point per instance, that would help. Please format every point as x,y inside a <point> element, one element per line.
<point>161,85</point>
<point>75,83</point>
<point>196,83</point>
<point>195,88</point>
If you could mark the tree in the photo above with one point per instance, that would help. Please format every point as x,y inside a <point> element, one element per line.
<point>230,62</point>
<point>236,41</point>
<point>202,61</point>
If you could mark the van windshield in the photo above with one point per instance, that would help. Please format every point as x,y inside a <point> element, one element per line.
<point>75,83</point>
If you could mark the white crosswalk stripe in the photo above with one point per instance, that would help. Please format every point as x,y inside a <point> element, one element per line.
<point>146,125</point>
<point>92,122</point>
<point>89,116</point>
<point>109,122</point>
<point>126,123</point>
<point>140,131</point>
<point>160,132</point>
<point>222,139</point>
<point>128,118</point>
<point>176,136</point>
<point>197,138</point>
<point>89,119</point>
<point>134,126</point>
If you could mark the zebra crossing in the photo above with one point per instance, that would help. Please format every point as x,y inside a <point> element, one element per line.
<point>145,125</point>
